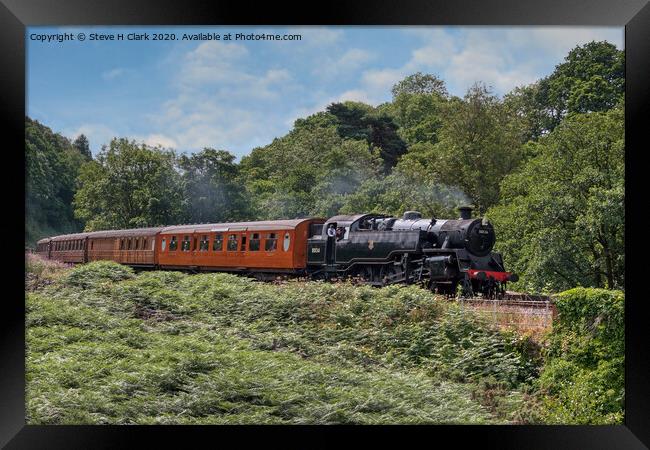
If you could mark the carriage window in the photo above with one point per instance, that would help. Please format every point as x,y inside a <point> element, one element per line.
<point>232,243</point>
<point>92,243</point>
<point>129,244</point>
<point>163,244</point>
<point>254,244</point>
<point>136,243</point>
<point>205,244</point>
<point>153,244</point>
<point>173,244</point>
<point>271,242</point>
<point>193,244</point>
<point>185,246</point>
<point>144,244</point>
<point>121,244</point>
<point>287,241</point>
<point>217,244</point>
<point>243,243</point>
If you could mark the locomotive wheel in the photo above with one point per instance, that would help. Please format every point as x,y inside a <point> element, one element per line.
<point>364,273</point>
<point>390,273</point>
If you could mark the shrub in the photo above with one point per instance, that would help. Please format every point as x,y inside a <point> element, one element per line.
<point>582,381</point>
<point>97,272</point>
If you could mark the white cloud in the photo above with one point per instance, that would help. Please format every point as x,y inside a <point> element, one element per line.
<point>159,139</point>
<point>114,73</point>
<point>348,62</point>
<point>221,99</point>
<point>501,57</point>
<point>97,134</point>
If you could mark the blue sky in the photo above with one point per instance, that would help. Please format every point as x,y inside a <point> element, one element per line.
<point>236,95</point>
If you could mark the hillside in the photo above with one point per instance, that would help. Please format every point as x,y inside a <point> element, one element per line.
<point>108,346</point>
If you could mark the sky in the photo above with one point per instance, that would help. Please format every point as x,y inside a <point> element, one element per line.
<point>242,93</point>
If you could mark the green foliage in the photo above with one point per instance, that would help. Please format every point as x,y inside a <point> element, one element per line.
<point>420,84</point>
<point>592,78</point>
<point>83,146</point>
<point>479,143</point>
<point>51,164</point>
<point>129,185</point>
<point>97,272</point>
<point>105,346</point>
<point>307,172</point>
<point>583,380</point>
<point>212,191</point>
<point>561,218</point>
<point>359,121</point>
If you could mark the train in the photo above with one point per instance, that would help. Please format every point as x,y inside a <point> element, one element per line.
<point>449,256</point>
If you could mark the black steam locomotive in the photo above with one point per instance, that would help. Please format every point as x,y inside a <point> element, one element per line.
<point>381,250</point>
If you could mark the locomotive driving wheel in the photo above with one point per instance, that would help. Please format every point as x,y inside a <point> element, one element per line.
<point>364,273</point>
<point>390,273</point>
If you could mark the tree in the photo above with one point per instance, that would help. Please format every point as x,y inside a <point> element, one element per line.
<point>420,84</point>
<point>211,188</point>
<point>359,121</point>
<point>523,103</point>
<point>561,217</point>
<point>480,143</point>
<point>51,165</point>
<point>591,78</point>
<point>82,146</point>
<point>307,172</point>
<point>129,185</point>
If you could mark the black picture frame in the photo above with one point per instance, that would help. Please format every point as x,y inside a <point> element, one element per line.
<point>15,15</point>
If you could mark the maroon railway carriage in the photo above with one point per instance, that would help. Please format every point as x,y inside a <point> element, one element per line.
<point>135,247</point>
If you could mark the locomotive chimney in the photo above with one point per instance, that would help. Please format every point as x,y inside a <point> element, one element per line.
<point>465,212</point>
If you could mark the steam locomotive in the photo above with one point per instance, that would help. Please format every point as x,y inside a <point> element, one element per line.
<point>376,249</point>
<point>443,254</point>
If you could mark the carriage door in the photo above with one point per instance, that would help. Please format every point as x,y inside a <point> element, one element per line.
<point>330,252</point>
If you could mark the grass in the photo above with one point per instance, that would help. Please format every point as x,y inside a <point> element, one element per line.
<point>108,346</point>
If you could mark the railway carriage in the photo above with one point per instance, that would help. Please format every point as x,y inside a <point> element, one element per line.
<point>276,246</point>
<point>70,248</point>
<point>134,247</point>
